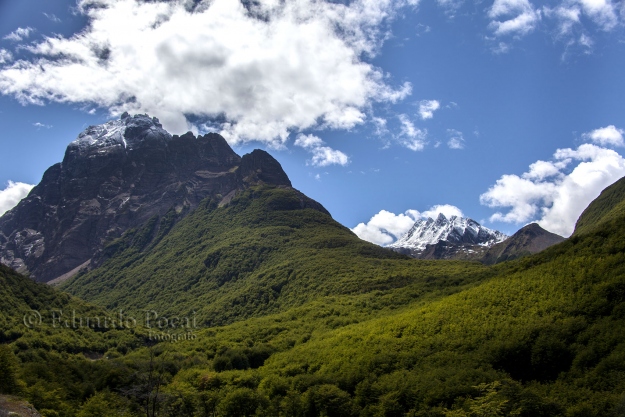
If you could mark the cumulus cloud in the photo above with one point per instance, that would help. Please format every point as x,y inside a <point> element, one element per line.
<point>19,34</point>
<point>513,17</point>
<point>427,108</point>
<point>410,136</point>
<point>321,155</point>
<point>262,69</point>
<point>607,136</point>
<point>385,227</point>
<point>13,194</point>
<point>556,192</point>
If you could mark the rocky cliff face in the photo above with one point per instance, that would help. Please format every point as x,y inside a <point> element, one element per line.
<point>115,177</point>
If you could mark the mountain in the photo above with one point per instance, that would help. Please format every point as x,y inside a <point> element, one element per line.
<point>262,252</point>
<point>118,176</point>
<point>299,317</point>
<point>447,238</point>
<point>528,240</point>
<point>609,206</point>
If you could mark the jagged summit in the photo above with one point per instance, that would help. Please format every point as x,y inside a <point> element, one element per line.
<point>117,176</point>
<point>454,231</point>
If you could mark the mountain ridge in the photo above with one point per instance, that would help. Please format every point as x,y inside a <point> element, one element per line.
<point>446,238</point>
<point>528,240</point>
<point>115,177</point>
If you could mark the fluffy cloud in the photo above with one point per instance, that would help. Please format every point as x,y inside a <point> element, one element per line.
<point>385,227</point>
<point>513,17</point>
<point>607,136</point>
<point>552,192</point>
<point>427,108</point>
<point>10,196</point>
<point>322,155</point>
<point>264,69</point>
<point>19,34</point>
<point>410,136</point>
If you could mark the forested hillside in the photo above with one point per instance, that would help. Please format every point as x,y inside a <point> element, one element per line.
<point>353,330</point>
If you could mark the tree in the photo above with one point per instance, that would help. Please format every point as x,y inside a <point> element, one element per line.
<point>9,383</point>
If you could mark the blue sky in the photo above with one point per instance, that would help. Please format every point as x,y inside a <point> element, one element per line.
<point>506,111</point>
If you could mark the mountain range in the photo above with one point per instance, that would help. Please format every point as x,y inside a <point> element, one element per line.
<point>292,314</point>
<point>464,238</point>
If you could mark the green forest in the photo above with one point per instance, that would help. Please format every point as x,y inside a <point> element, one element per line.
<point>264,307</point>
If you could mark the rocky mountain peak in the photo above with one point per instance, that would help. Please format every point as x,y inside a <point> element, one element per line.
<point>114,177</point>
<point>457,232</point>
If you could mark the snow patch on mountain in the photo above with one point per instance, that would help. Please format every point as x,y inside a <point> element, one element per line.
<point>455,230</point>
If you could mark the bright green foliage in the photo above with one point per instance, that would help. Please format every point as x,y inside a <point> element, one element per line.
<point>260,254</point>
<point>610,205</point>
<point>299,318</point>
<point>105,404</point>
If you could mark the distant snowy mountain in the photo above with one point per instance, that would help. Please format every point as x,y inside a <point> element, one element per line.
<point>444,238</point>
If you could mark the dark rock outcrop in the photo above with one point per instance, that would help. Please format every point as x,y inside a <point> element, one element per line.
<point>528,240</point>
<point>115,177</point>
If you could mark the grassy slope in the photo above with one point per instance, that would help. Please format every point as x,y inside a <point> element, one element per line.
<point>608,206</point>
<point>544,333</point>
<point>350,331</point>
<point>260,254</point>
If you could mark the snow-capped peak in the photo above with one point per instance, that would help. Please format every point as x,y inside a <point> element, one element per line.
<point>457,230</point>
<point>129,132</point>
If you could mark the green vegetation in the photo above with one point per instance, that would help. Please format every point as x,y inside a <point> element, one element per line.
<point>610,205</point>
<point>297,317</point>
<point>260,254</point>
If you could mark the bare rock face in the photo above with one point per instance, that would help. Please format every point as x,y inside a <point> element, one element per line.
<point>115,177</point>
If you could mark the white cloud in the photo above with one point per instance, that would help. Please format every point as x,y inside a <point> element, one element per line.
<point>385,227</point>
<point>551,192</point>
<point>410,136</point>
<point>571,26</point>
<point>427,108</point>
<point>513,17</point>
<point>268,70</point>
<point>19,34</point>
<point>322,155</point>
<point>13,194</point>
<point>52,17</point>
<point>607,136</point>
<point>308,141</point>
<point>5,56</point>
<point>601,12</point>
<point>456,139</point>
<point>40,125</point>
<point>447,209</point>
